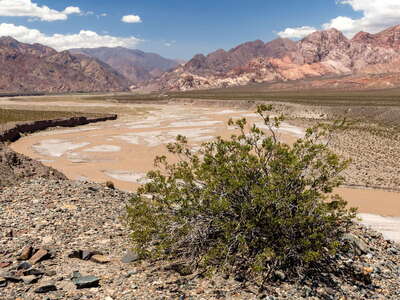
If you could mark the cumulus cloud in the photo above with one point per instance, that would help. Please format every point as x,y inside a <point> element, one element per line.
<point>297,33</point>
<point>377,15</point>
<point>83,39</point>
<point>131,19</point>
<point>27,8</point>
<point>72,10</point>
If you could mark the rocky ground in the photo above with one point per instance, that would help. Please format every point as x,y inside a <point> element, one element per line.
<point>372,147</point>
<point>64,239</point>
<point>375,157</point>
<point>15,167</point>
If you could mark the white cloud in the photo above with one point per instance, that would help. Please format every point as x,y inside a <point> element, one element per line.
<point>26,8</point>
<point>377,15</point>
<point>72,10</point>
<point>131,19</point>
<point>297,33</point>
<point>83,39</point>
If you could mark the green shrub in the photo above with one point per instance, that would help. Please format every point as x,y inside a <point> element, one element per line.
<point>250,204</point>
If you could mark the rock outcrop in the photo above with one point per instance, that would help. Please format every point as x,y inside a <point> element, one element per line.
<point>322,54</point>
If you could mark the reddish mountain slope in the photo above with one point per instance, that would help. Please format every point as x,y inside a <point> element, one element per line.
<point>37,68</point>
<point>321,54</point>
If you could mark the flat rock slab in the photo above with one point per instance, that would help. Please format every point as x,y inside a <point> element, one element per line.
<point>83,282</point>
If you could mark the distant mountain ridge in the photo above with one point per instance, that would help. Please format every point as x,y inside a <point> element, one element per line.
<point>321,54</point>
<point>135,65</point>
<point>37,68</point>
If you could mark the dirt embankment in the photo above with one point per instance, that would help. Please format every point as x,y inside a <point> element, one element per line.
<point>15,167</point>
<point>13,132</point>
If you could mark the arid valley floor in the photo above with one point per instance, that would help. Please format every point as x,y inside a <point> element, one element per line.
<point>123,150</point>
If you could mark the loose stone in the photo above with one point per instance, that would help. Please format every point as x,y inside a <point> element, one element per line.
<point>129,257</point>
<point>40,255</point>
<point>82,282</point>
<point>100,259</point>
<point>45,288</point>
<point>26,253</point>
<point>29,279</point>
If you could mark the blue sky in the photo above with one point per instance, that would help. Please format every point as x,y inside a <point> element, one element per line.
<point>180,29</point>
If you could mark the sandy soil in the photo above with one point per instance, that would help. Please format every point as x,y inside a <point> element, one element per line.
<point>123,150</point>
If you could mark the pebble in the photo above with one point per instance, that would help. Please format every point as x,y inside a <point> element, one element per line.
<point>100,259</point>
<point>45,288</point>
<point>26,253</point>
<point>29,279</point>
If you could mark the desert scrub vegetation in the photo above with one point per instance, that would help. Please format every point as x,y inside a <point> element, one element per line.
<point>250,204</point>
<point>16,115</point>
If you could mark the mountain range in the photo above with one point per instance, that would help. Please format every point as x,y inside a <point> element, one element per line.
<point>37,68</point>
<point>325,58</point>
<point>137,66</point>
<point>365,61</point>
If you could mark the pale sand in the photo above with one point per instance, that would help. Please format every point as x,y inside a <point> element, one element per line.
<point>104,148</point>
<point>389,226</point>
<point>135,142</point>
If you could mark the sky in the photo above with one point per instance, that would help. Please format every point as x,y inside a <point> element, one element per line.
<point>180,29</point>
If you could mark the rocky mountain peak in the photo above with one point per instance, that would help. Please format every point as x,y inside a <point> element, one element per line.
<point>322,45</point>
<point>362,36</point>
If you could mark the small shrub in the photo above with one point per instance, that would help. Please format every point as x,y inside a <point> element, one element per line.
<point>110,185</point>
<point>250,204</point>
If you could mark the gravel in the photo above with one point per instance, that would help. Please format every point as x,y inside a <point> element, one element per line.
<point>60,232</point>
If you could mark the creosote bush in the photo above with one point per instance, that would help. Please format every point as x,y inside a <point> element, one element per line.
<point>250,204</point>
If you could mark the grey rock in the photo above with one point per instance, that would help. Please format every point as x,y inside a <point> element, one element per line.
<point>130,257</point>
<point>45,288</point>
<point>29,279</point>
<point>358,245</point>
<point>24,266</point>
<point>83,282</point>
<point>35,272</point>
